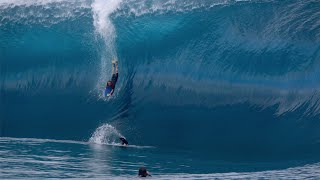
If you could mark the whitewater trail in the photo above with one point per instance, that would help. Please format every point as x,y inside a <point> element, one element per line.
<point>105,29</point>
<point>105,134</point>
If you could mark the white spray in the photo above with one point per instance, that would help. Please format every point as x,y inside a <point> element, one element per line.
<point>102,9</point>
<point>105,134</point>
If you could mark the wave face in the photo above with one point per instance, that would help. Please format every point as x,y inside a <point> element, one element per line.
<point>220,77</point>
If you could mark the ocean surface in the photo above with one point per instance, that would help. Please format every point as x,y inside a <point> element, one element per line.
<point>207,89</point>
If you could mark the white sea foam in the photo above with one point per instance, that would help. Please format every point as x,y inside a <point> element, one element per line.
<point>30,2</point>
<point>44,12</point>
<point>105,29</point>
<point>106,134</point>
<point>142,7</point>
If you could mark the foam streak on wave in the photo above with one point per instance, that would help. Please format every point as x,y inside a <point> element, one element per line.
<point>101,16</point>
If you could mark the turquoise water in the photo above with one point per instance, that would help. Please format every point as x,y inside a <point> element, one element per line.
<point>207,88</point>
<point>45,158</point>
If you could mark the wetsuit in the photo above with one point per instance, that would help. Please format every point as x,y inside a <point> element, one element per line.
<point>114,79</point>
<point>124,141</point>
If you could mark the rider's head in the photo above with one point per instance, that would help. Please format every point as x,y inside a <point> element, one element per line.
<point>109,83</point>
<point>143,172</point>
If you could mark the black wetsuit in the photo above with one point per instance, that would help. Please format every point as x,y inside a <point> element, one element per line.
<point>124,141</point>
<point>114,79</point>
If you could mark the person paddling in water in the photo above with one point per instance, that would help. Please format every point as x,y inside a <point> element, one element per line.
<point>143,172</point>
<point>124,142</point>
<point>112,83</point>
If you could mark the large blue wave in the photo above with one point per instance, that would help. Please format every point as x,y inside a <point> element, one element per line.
<point>237,77</point>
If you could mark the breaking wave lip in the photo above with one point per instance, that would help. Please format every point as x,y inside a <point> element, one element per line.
<point>26,3</point>
<point>145,7</point>
<point>50,12</point>
<point>46,13</point>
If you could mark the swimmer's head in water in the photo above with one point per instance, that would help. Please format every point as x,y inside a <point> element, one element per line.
<point>143,172</point>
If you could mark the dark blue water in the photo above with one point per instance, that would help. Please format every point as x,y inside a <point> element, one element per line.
<point>235,82</point>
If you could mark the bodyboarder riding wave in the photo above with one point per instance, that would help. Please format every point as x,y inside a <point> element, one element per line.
<point>112,83</point>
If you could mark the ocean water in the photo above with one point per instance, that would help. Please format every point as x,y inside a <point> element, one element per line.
<point>207,89</point>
